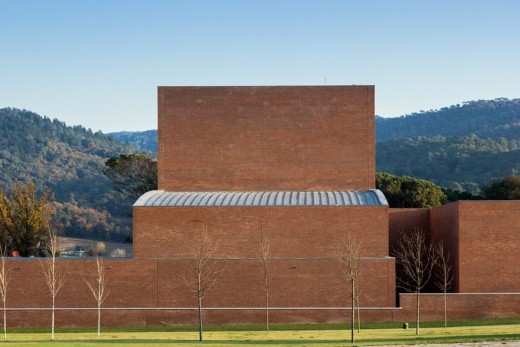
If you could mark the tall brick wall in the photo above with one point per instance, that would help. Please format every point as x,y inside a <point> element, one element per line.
<point>489,246</point>
<point>293,232</point>
<point>266,138</point>
<point>444,226</point>
<point>403,220</point>
<point>482,238</point>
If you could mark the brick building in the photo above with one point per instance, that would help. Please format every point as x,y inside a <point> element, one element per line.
<point>297,166</point>
<point>294,164</point>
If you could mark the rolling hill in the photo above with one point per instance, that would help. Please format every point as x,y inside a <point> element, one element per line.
<point>67,161</point>
<point>484,118</point>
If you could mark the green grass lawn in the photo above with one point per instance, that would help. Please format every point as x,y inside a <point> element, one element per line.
<point>293,337</point>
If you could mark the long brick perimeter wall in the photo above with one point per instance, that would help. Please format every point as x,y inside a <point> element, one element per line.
<point>159,283</point>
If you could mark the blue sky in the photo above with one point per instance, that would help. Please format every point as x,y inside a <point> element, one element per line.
<point>98,63</point>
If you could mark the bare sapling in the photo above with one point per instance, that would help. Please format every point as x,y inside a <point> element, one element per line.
<point>348,253</point>
<point>265,270</point>
<point>5,276</point>
<point>203,272</point>
<point>444,276</point>
<point>98,285</point>
<point>416,259</point>
<point>54,276</point>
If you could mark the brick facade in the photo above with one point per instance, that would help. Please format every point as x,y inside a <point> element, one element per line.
<point>489,246</point>
<point>444,223</point>
<point>293,232</point>
<point>404,220</point>
<point>158,283</point>
<point>459,306</point>
<point>266,138</point>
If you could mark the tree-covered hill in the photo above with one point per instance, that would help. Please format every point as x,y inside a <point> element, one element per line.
<point>68,161</point>
<point>461,147</point>
<point>145,141</point>
<point>460,163</point>
<point>484,118</point>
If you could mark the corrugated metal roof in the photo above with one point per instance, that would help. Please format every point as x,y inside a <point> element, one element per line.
<point>161,198</point>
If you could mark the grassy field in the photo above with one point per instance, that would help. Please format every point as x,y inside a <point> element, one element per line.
<point>314,338</point>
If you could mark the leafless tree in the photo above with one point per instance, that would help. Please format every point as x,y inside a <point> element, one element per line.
<point>265,269</point>
<point>54,277</point>
<point>444,275</point>
<point>5,276</point>
<point>348,253</point>
<point>202,272</point>
<point>416,258</point>
<point>98,286</point>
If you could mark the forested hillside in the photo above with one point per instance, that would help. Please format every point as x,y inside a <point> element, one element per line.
<point>68,161</point>
<point>460,163</point>
<point>461,147</point>
<point>484,118</point>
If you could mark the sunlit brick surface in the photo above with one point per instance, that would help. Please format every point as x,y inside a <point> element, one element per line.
<point>266,138</point>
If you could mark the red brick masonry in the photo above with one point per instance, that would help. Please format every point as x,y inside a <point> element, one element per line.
<point>266,138</point>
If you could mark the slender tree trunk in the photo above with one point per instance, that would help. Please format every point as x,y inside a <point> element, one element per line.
<point>417,313</point>
<point>353,313</point>
<point>52,320</point>
<point>445,311</point>
<point>358,317</point>
<point>5,321</point>
<point>99,320</point>
<point>267,311</point>
<point>200,318</point>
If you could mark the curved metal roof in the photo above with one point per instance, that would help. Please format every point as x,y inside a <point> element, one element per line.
<point>161,198</point>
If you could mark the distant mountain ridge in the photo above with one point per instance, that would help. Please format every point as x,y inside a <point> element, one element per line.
<point>145,141</point>
<point>484,118</point>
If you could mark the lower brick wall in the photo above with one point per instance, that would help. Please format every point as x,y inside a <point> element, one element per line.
<point>295,283</point>
<point>158,283</point>
<point>459,306</point>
